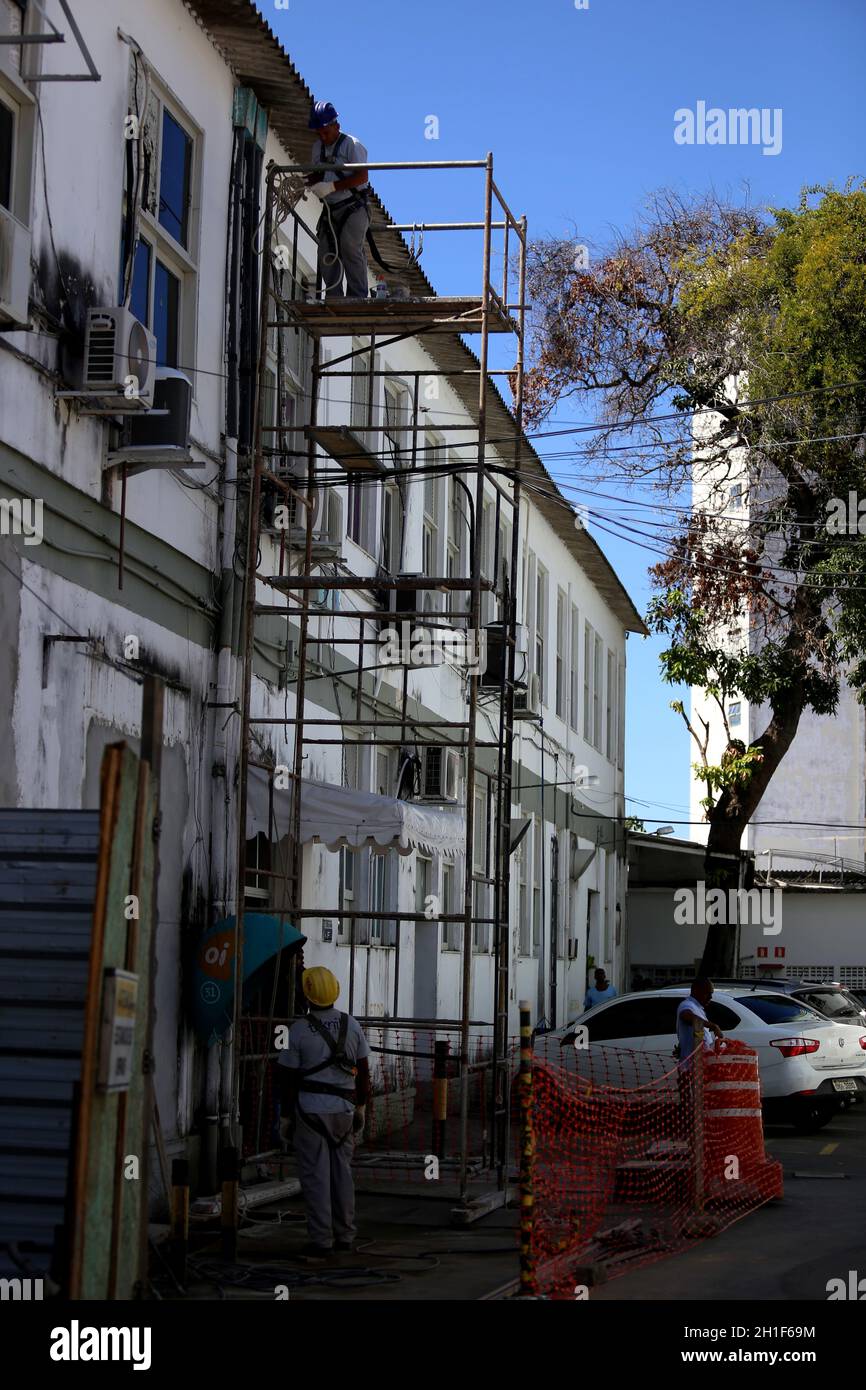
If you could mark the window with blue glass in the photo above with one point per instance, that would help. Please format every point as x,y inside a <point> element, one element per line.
<point>139,301</point>
<point>175,169</point>
<point>734,713</point>
<point>166,315</point>
<point>162,288</point>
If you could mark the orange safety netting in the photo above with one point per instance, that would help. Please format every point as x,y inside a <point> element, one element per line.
<point>631,1156</point>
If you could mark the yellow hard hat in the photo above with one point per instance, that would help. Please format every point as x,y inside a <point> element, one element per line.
<point>320,985</point>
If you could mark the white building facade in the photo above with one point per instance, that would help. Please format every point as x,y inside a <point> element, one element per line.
<point>199,90</point>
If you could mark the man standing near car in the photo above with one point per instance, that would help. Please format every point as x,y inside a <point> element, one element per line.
<point>602,990</point>
<point>692,1012</point>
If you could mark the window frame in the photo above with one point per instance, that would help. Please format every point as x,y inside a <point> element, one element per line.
<point>574,669</point>
<point>182,262</point>
<point>21,102</point>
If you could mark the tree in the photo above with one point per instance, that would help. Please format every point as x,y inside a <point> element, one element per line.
<point>732,346</point>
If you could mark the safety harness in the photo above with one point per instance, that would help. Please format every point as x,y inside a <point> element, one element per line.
<point>337,1058</point>
<point>337,215</point>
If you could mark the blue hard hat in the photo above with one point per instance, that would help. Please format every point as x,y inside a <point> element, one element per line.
<point>322,113</point>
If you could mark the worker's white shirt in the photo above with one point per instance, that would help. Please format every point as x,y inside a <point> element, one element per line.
<point>351,151</point>
<point>306,1048</point>
<point>686,1033</point>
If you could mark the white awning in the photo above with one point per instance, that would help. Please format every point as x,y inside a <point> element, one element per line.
<point>338,817</point>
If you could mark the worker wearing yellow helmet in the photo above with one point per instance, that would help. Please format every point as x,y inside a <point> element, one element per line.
<point>325,1079</point>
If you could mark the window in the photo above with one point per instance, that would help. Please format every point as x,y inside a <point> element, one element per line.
<point>537,871</point>
<point>175,176</point>
<point>423,868</point>
<point>620,716</point>
<point>382,930</point>
<point>734,712</point>
<point>347,889</point>
<point>484,539</point>
<point>431,554</point>
<point>721,1015</point>
<point>587,681</point>
<point>391,528</point>
<point>480,868</point>
<point>561,652</point>
<point>258,859</point>
<point>384,781</point>
<point>454,560</point>
<point>574,652</point>
<point>7,135</point>
<point>736,496</point>
<point>597,678</point>
<point>610,724</point>
<point>397,418</point>
<point>775,1009</point>
<point>660,1016</point>
<point>162,276</point>
<point>17,136</point>
<point>355,508</point>
<point>450,930</point>
<point>623,1020</point>
<point>541,631</point>
<point>360,413</point>
<point>523,922</point>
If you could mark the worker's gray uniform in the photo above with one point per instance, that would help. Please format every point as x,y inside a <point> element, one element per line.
<point>325,1168</point>
<point>351,228</point>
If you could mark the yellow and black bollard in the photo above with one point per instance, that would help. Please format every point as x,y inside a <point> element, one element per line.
<point>179,1218</point>
<point>527,1156</point>
<point>229,1173</point>
<point>440,1096</point>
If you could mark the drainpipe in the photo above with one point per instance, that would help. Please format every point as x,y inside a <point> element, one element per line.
<point>222,820</point>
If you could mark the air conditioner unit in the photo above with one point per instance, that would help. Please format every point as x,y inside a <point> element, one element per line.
<point>440,774</point>
<point>119,360</point>
<point>159,438</point>
<point>527,699</point>
<point>492,675</point>
<point>15,242</point>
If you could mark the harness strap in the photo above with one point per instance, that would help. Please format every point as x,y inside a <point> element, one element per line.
<point>314,1123</point>
<point>337,1049</point>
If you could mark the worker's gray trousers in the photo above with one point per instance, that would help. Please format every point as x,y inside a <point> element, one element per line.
<point>326,1178</point>
<point>352,259</point>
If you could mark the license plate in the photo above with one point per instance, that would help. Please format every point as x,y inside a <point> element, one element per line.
<point>848,1083</point>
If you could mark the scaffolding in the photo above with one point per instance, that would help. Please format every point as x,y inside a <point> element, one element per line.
<point>299,466</point>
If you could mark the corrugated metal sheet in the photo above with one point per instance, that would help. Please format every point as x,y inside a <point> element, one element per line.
<point>260,62</point>
<point>47,887</point>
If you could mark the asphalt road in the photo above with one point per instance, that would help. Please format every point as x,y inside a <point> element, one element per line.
<point>784,1250</point>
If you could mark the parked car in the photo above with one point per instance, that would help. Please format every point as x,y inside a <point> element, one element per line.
<point>807,1062</point>
<point>825,996</point>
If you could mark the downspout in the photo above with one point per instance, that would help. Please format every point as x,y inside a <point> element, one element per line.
<point>224,753</point>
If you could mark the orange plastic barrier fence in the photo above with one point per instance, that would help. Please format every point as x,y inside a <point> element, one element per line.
<point>637,1156</point>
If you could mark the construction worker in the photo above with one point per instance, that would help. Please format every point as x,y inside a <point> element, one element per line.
<point>345,219</point>
<point>325,1086</point>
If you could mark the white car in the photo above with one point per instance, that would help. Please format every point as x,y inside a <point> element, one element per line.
<point>806,1062</point>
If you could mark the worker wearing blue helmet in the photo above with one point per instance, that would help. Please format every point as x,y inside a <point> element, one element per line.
<point>345,218</point>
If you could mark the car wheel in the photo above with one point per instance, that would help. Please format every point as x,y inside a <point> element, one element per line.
<point>809,1116</point>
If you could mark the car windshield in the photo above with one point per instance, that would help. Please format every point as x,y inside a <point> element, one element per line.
<point>775,1008</point>
<point>830,1002</point>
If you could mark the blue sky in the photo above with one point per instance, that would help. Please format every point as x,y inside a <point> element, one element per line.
<point>578,108</point>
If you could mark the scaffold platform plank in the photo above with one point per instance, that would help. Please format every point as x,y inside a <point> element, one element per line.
<point>346,448</point>
<point>433,314</point>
